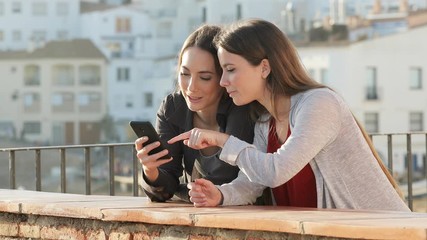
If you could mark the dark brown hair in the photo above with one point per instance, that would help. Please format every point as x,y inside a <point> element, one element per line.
<point>203,38</point>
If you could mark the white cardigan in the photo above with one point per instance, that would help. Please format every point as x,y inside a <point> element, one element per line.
<point>324,134</point>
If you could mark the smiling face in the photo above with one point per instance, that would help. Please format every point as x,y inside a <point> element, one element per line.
<point>199,81</point>
<point>244,82</point>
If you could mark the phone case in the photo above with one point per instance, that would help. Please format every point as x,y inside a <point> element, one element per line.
<point>145,128</point>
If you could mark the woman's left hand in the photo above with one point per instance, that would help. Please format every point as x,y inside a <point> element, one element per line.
<point>201,138</point>
<point>203,193</point>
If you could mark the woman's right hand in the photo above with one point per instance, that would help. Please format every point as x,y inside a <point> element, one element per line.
<point>203,193</point>
<point>150,163</point>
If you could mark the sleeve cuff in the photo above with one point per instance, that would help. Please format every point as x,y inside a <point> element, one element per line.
<point>232,147</point>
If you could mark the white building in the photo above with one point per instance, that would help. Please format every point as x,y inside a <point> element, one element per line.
<point>54,94</point>
<point>383,80</point>
<point>141,41</point>
<point>31,23</point>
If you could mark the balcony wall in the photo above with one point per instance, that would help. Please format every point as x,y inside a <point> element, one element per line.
<point>33,214</point>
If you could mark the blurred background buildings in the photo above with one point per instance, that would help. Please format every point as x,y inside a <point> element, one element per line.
<point>77,72</point>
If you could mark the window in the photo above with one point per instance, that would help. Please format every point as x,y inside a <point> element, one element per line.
<point>311,72</point>
<point>148,99</point>
<point>1,8</point>
<point>62,9</point>
<point>415,78</point>
<point>239,12</point>
<point>123,25</point>
<point>371,80</point>
<point>16,36</point>
<point>62,35</point>
<point>32,75</point>
<point>32,127</point>
<point>62,102</point>
<point>204,14</point>
<point>90,75</point>
<point>416,121</point>
<point>39,36</point>
<point>129,101</point>
<point>32,102</point>
<point>164,30</point>
<point>39,9</point>
<point>123,74</point>
<point>371,122</point>
<point>16,7</point>
<point>324,76</point>
<point>89,102</point>
<point>63,75</point>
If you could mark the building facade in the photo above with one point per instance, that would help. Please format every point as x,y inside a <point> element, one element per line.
<point>384,82</point>
<point>28,24</point>
<point>52,96</point>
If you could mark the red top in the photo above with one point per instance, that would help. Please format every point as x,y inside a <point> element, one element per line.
<point>299,191</point>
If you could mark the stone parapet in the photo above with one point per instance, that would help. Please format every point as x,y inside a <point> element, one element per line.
<point>43,215</point>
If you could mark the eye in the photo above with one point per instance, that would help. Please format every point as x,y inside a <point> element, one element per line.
<point>184,74</point>
<point>229,69</point>
<point>206,78</point>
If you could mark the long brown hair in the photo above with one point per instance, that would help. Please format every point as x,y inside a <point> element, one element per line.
<point>380,162</point>
<point>257,39</point>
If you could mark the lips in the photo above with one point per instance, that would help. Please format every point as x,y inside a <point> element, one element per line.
<point>230,92</point>
<point>194,99</point>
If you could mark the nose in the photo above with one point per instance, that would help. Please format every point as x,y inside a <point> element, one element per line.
<point>191,84</point>
<point>223,82</point>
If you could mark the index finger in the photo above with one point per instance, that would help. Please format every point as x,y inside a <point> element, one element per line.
<point>180,137</point>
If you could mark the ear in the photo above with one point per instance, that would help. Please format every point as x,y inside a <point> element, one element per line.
<point>265,68</point>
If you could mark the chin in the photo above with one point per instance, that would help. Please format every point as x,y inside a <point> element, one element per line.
<point>238,102</point>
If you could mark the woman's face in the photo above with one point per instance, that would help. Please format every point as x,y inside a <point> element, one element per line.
<point>243,81</point>
<point>199,81</point>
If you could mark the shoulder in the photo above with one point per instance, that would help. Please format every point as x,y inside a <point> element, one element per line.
<point>319,97</point>
<point>172,103</point>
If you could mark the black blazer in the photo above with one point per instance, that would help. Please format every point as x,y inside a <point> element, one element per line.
<point>173,118</point>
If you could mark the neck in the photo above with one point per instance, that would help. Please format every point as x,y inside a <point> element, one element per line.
<point>281,108</point>
<point>205,118</point>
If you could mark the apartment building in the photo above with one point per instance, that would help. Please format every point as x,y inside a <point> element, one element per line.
<point>141,42</point>
<point>54,94</point>
<point>31,23</point>
<point>384,82</point>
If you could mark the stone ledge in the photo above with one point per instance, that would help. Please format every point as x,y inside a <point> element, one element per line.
<point>33,214</point>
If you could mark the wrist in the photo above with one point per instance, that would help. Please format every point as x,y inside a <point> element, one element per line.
<point>221,200</point>
<point>223,139</point>
<point>151,173</point>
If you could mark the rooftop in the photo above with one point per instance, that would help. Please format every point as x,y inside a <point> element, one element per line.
<point>68,49</point>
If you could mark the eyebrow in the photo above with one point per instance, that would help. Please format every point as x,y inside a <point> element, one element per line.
<point>226,65</point>
<point>204,71</point>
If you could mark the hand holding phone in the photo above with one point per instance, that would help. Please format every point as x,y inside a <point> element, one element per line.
<point>145,128</point>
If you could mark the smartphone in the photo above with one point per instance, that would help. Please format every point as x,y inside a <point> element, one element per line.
<point>145,128</point>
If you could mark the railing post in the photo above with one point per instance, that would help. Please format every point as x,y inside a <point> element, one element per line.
<point>410,170</point>
<point>111,168</point>
<point>63,171</point>
<point>38,170</point>
<point>390,153</point>
<point>87,170</point>
<point>12,170</point>
<point>135,170</point>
